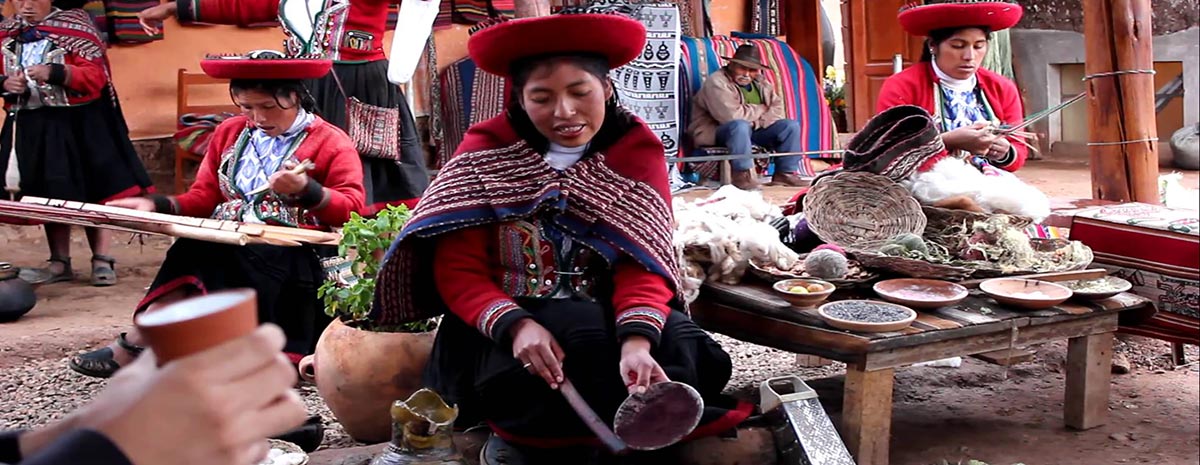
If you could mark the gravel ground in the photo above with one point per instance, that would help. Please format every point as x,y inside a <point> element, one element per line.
<point>38,393</point>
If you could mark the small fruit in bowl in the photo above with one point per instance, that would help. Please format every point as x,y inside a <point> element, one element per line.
<point>799,290</point>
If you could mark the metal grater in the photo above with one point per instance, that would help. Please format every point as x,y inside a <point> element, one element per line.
<point>804,435</point>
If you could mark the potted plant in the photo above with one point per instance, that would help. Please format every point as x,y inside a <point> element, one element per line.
<point>360,368</point>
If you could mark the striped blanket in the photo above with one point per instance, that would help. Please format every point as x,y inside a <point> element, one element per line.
<point>791,75</point>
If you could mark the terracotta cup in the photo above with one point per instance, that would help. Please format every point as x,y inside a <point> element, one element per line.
<point>193,325</point>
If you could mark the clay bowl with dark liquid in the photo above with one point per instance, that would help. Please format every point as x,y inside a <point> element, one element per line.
<point>921,293</point>
<point>1028,294</point>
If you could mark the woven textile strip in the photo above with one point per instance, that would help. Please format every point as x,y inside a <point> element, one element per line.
<point>611,214</point>
<point>765,16</point>
<point>792,77</point>
<point>468,95</point>
<point>123,20</point>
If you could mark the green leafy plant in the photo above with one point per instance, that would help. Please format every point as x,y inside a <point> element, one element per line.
<point>363,241</point>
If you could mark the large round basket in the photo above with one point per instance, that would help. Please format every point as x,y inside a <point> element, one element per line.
<point>854,207</point>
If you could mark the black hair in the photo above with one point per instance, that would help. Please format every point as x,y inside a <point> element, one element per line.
<point>68,4</point>
<point>937,36</point>
<point>278,88</point>
<point>617,121</point>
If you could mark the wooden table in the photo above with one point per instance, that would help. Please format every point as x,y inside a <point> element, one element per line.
<point>752,312</point>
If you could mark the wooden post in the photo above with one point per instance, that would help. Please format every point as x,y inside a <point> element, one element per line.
<point>1121,107</point>
<point>531,8</point>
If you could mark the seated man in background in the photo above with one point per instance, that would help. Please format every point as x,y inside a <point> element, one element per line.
<point>737,108</point>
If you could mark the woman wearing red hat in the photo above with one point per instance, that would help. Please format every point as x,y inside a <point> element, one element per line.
<point>967,102</point>
<point>355,96</point>
<point>248,175</point>
<point>951,85</point>
<point>546,240</point>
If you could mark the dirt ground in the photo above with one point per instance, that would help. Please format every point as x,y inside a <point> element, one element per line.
<point>972,412</point>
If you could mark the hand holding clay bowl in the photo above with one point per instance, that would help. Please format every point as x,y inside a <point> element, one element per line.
<point>1029,294</point>
<point>1097,289</point>
<point>803,292</point>
<point>867,316</point>
<point>921,293</point>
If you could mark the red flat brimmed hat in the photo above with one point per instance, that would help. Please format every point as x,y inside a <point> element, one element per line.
<point>616,37</point>
<point>264,64</point>
<point>919,19</point>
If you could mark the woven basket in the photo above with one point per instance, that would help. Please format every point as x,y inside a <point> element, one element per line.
<point>868,255</point>
<point>858,275</point>
<point>942,218</point>
<point>854,207</point>
<point>1047,246</point>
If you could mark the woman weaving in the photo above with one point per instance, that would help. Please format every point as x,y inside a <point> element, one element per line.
<point>250,174</point>
<point>355,95</point>
<point>547,241</point>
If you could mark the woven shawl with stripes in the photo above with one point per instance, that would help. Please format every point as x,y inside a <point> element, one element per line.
<point>617,203</point>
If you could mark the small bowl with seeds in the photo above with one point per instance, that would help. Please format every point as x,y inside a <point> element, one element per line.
<point>867,316</point>
<point>804,292</point>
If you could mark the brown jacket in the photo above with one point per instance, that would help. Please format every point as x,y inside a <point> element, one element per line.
<point>719,101</point>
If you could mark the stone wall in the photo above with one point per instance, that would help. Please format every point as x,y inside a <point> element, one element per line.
<point>1067,15</point>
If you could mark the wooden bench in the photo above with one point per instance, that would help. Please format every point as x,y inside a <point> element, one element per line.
<point>185,81</point>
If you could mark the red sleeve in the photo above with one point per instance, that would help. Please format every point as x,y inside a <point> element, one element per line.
<point>1012,112</point>
<point>896,91</point>
<point>233,12</point>
<point>641,300</point>
<point>461,268</point>
<point>80,75</point>
<point>205,193</point>
<point>341,182</point>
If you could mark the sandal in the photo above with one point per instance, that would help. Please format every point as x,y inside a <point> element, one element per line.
<point>105,273</point>
<point>101,363</point>
<point>46,275</point>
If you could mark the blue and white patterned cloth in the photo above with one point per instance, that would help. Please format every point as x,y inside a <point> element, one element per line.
<point>33,54</point>
<point>264,154</point>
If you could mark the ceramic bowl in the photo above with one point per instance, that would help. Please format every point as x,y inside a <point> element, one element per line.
<point>921,293</point>
<point>1029,294</point>
<point>804,300</point>
<point>1113,286</point>
<point>287,448</point>
<point>863,326</point>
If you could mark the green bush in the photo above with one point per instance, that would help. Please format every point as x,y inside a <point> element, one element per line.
<point>350,299</point>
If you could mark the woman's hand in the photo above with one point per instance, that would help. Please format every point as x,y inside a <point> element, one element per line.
<point>536,348</point>
<point>999,148</point>
<point>39,73</point>
<point>152,18</point>
<point>16,83</point>
<point>287,182</point>
<point>638,368</point>
<point>133,203</point>
<point>217,406</point>
<point>976,138</point>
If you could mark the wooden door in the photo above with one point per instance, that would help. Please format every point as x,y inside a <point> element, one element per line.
<point>874,38</point>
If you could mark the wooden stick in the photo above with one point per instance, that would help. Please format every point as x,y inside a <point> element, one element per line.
<point>1093,273</point>
<point>298,169</point>
<point>593,421</point>
<point>1121,118</point>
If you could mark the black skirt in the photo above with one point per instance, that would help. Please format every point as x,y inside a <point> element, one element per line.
<point>386,181</point>
<point>488,384</point>
<point>79,153</point>
<point>285,278</point>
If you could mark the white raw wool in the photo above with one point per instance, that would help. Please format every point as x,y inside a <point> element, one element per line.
<point>725,231</point>
<point>1174,195</point>
<point>1000,193</point>
<point>280,457</point>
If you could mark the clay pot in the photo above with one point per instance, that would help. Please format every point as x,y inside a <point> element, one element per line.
<point>360,373</point>
<point>16,295</point>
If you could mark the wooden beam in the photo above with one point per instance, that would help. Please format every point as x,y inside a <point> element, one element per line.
<point>1121,115</point>
<point>1089,375</point>
<point>802,26</point>
<point>867,414</point>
